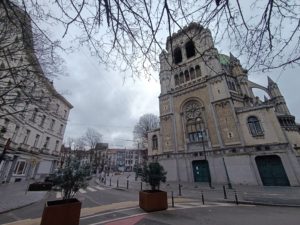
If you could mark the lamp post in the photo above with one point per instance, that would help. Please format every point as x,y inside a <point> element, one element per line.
<point>203,146</point>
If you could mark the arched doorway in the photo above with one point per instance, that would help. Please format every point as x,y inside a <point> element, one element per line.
<point>271,171</point>
<point>201,171</point>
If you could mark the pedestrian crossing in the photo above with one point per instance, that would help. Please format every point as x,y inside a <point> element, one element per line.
<point>58,194</point>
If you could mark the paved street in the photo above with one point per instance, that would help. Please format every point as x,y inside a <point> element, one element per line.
<point>107,203</point>
<point>195,213</point>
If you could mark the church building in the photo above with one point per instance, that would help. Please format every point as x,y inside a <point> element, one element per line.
<point>212,127</point>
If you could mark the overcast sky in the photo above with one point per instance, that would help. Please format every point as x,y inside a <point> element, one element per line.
<point>103,100</point>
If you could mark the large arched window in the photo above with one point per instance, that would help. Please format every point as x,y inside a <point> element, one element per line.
<point>194,122</point>
<point>154,142</point>
<point>190,49</point>
<point>177,56</point>
<point>255,126</point>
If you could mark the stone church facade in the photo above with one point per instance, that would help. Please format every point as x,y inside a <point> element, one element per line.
<point>212,126</point>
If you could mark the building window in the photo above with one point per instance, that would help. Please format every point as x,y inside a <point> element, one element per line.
<point>33,117</point>
<point>33,87</point>
<point>187,75</point>
<point>154,142</point>
<point>176,78</point>
<point>56,145</point>
<point>17,98</point>
<point>25,108</point>
<point>52,124</point>
<point>195,130</point>
<point>48,104</point>
<point>47,142</point>
<point>231,82</point>
<point>192,73</point>
<point>14,137</point>
<point>26,136</point>
<point>190,49</point>
<point>57,108</point>
<point>6,122</point>
<point>198,71</point>
<point>61,129</point>
<point>65,114</point>
<point>181,78</point>
<point>254,126</point>
<point>20,168</point>
<point>43,120</point>
<point>177,56</point>
<point>36,141</point>
<point>194,122</point>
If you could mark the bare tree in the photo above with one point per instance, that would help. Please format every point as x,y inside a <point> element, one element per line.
<point>130,34</point>
<point>146,123</point>
<point>92,137</point>
<point>80,143</point>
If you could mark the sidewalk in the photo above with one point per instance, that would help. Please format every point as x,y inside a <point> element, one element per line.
<point>15,196</point>
<point>262,195</point>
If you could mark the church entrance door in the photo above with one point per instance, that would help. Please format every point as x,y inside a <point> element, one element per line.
<point>201,171</point>
<point>271,171</point>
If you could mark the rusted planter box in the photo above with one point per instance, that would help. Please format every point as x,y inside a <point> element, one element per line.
<point>62,212</point>
<point>151,201</point>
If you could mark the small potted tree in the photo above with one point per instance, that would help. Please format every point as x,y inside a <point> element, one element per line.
<point>154,199</point>
<point>69,179</point>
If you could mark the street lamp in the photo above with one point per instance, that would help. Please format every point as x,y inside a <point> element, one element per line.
<point>202,128</point>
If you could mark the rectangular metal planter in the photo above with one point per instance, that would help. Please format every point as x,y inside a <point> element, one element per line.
<point>151,201</point>
<point>61,212</point>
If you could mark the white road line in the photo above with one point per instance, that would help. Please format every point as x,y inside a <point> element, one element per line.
<point>91,189</point>
<point>58,194</point>
<point>82,191</point>
<point>107,213</point>
<point>100,188</point>
<point>120,218</point>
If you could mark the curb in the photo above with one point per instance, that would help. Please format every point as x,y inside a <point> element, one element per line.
<point>260,203</point>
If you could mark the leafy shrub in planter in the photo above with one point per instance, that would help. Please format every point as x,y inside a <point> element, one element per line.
<point>71,177</point>
<point>153,173</point>
<point>154,199</point>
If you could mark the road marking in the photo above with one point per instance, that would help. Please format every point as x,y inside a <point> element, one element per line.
<point>100,188</point>
<point>117,219</point>
<point>91,189</point>
<point>82,191</point>
<point>107,213</point>
<point>58,194</point>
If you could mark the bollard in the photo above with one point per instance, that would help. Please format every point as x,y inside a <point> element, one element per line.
<point>224,190</point>
<point>236,197</point>
<point>117,183</point>
<point>172,200</point>
<point>141,186</point>
<point>127,185</point>
<point>202,196</point>
<point>179,187</point>
<point>110,182</point>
